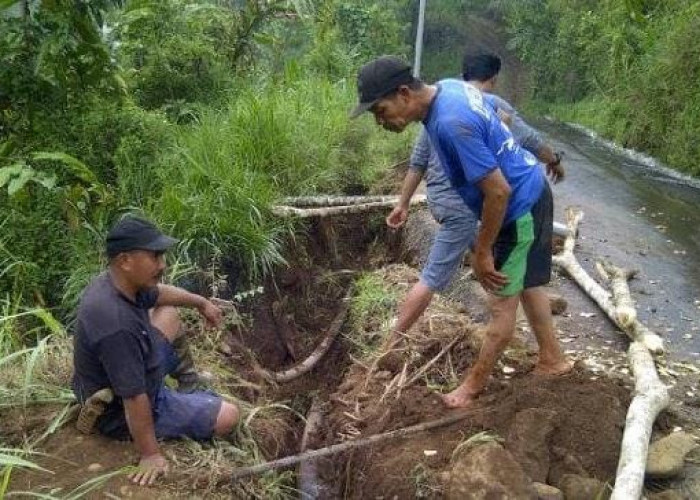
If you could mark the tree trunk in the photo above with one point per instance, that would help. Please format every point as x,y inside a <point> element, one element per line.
<point>651,396</point>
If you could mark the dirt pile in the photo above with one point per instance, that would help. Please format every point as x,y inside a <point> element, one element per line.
<point>551,426</point>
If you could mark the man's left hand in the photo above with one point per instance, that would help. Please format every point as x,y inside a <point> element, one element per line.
<point>211,313</point>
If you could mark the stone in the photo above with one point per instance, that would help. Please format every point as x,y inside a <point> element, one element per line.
<point>666,456</point>
<point>94,467</point>
<point>528,441</point>
<point>547,492</point>
<point>557,304</point>
<point>563,463</point>
<point>488,471</point>
<point>575,487</point>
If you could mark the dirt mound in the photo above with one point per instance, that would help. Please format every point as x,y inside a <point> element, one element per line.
<point>552,425</point>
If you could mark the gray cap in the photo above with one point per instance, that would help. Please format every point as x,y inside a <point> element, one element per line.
<point>378,78</point>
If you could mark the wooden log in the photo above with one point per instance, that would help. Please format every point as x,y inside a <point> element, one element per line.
<point>287,211</point>
<point>334,201</point>
<point>651,396</point>
<point>350,445</point>
<point>567,261</point>
<point>322,348</point>
<point>617,277</point>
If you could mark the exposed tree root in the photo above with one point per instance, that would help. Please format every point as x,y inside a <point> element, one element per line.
<point>320,351</point>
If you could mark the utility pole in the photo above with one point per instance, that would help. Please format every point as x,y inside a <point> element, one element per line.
<point>419,39</point>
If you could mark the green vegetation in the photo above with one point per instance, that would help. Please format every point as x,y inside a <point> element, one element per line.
<point>197,113</point>
<point>630,70</point>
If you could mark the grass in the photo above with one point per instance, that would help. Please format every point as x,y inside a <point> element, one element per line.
<point>373,308</point>
<point>425,482</point>
<point>475,440</point>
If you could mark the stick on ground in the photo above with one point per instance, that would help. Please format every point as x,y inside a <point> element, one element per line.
<point>349,445</point>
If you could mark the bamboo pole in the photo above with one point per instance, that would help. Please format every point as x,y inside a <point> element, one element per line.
<point>350,445</point>
<point>333,201</point>
<point>287,211</point>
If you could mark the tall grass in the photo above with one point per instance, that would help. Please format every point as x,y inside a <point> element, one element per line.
<point>289,137</point>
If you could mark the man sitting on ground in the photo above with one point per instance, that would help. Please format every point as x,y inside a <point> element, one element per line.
<point>127,326</point>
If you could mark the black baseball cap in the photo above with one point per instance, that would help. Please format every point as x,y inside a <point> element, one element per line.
<point>378,78</point>
<point>134,233</point>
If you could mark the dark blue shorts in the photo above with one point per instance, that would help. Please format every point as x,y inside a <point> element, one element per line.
<point>175,414</point>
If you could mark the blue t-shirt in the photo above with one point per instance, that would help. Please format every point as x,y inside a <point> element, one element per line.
<point>471,142</point>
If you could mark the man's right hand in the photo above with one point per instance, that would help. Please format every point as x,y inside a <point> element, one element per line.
<point>397,217</point>
<point>150,468</point>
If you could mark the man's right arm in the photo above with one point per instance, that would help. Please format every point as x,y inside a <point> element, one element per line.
<point>420,158</point>
<point>123,360</point>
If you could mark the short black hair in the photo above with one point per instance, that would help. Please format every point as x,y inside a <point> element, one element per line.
<point>480,67</point>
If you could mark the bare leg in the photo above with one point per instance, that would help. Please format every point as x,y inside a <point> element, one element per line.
<point>539,314</point>
<point>167,320</point>
<point>415,303</point>
<point>499,333</point>
<point>226,419</point>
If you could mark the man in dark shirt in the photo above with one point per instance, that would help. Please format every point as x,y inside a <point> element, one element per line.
<point>127,322</point>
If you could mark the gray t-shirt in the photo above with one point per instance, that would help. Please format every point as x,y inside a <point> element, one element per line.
<point>442,198</point>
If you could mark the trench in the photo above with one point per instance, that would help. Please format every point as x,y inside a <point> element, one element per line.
<point>553,426</point>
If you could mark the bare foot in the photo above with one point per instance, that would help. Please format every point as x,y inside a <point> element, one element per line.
<point>461,397</point>
<point>554,369</point>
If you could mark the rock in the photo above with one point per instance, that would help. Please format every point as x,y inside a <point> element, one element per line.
<point>94,467</point>
<point>557,304</point>
<point>667,495</point>
<point>563,463</point>
<point>488,471</point>
<point>528,441</point>
<point>547,492</point>
<point>125,491</point>
<point>667,455</point>
<point>575,487</point>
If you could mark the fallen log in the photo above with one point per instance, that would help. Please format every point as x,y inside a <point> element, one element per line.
<point>567,261</point>
<point>350,445</point>
<point>650,397</point>
<point>287,211</point>
<point>320,351</point>
<point>617,277</point>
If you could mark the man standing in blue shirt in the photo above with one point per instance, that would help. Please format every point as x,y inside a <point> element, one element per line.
<point>457,223</point>
<point>496,180</point>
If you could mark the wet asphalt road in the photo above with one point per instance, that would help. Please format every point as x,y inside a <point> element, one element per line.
<point>637,216</point>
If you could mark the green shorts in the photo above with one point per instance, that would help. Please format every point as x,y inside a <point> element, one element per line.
<point>523,249</point>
